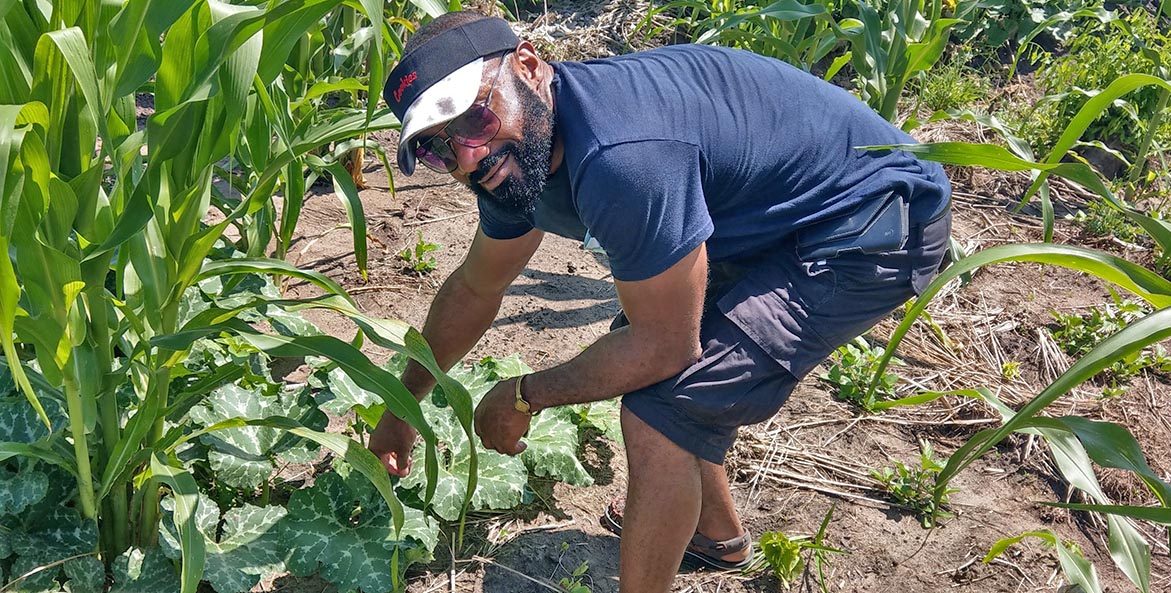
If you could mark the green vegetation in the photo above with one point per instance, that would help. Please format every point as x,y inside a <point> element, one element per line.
<point>852,372</point>
<point>416,258</point>
<point>953,84</point>
<point>1077,335</point>
<point>787,556</point>
<point>914,486</point>
<point>1097,54</point>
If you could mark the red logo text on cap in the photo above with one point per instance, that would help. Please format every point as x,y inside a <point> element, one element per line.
<point>404,83</point>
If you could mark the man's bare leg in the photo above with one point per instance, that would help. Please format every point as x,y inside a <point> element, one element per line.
<point>717,516</point>
<point>662,508</point>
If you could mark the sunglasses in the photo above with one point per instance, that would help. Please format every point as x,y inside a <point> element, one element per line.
<point>473,128</point>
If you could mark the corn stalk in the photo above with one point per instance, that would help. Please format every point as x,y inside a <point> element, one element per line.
<point>103,221</point>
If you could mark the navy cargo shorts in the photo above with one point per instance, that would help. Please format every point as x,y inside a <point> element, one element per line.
<point>771,320</point>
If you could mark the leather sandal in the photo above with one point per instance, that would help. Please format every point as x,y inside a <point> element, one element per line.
<point>701,552</point>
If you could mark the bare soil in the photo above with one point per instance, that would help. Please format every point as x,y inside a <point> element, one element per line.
<point>816,454</point>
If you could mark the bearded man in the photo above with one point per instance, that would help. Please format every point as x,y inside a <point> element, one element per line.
<point>748,233</point>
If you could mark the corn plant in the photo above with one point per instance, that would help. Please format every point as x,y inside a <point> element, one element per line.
<point>103,223</point>
<point>1073,441</point>
<point>892,43</point>
<point>330,71</point>
<point>790,30</point>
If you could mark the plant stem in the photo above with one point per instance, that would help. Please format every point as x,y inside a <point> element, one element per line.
<point>160,385</point>
<point>85,484</point>
<point>1140,160</point>
<point>148,528</point>
<point>115,508</point>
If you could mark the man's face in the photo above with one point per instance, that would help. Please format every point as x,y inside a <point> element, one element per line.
<point>511,170</point>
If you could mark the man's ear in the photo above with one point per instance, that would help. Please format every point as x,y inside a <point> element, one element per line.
<point>528,63</point>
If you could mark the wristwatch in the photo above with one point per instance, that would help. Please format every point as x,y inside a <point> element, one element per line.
<point>521,404</point>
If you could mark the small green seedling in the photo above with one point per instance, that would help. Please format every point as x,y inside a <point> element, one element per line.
<point>573,583</point>
<point>786,556</point>
<point>914,487</point>
<point>416,257</point>
<point>1010,370</point>
<point>854,365</point>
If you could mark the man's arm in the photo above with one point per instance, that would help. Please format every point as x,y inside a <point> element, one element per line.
<point>661,340</point>
<point>462,311</point>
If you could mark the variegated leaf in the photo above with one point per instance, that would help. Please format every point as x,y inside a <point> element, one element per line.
<point>246,549</point>
<point>59,535</point>
<point>244,457</point>
<point>552,448</point>
<point>21,489</point>
<point>19,422</point>
<point>341,528</point>
<point>136,571</point>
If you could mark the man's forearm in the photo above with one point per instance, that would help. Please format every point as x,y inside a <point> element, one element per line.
<point>618,362</point>
<point>457,320</point>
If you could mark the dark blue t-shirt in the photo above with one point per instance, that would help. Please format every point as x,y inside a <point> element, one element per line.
<point>668,148</point>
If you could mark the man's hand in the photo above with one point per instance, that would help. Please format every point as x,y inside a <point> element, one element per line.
<point>392,441</point>
<point>498,423</point>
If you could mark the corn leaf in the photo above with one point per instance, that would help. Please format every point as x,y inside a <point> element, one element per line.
<point>186,495</point>
<point>1077,569</point>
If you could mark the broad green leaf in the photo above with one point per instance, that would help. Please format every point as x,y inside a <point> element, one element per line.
<point>341,529</point>
<point>247,549</point>
<point>245,457</point>
<point>604,416</point>
<point>19,422</point>
<point>136,571</point>
<point>86,575</point>
<point>1111,445</point>
<point>354,453</point>
<point>552,449</point>
<point>341,395</point>
<point>501,478</point>
<point>21,489</point>
<point>58,536</point>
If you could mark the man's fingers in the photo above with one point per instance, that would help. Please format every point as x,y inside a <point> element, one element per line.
<point>392,465</point>
<point>519,448</point>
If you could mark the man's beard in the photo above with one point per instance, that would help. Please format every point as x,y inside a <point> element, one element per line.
<point>532,155</point>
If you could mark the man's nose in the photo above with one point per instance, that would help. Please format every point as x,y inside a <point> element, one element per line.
<point>468,159</point>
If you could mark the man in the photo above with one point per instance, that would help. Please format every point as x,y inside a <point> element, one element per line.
<point>748,235</point>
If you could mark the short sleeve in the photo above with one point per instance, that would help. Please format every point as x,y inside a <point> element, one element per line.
<point>500,224</point>
<point>644,203</point>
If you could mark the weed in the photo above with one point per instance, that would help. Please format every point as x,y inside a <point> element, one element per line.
<point>853,369</point>
<point>1010,370</point>
<point>416,257</point>
<point>573,582</point>
<point>786,555</point>
<point>953,85</point>
<point>914,486</point>
<point>1103,220</point>
<point>1078,334</point>
<point>1097,56</point>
